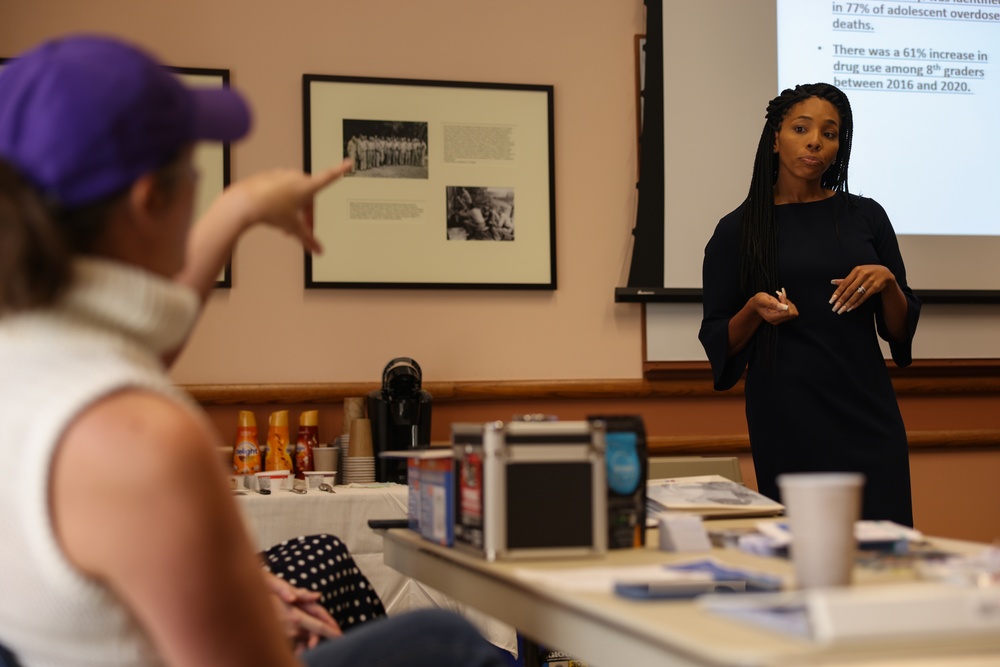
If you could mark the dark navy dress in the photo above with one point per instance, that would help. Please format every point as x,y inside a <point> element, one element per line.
<point>828,403</point>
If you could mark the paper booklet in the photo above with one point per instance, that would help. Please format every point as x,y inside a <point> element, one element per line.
<point>707,495</point>
<point>919,610</point>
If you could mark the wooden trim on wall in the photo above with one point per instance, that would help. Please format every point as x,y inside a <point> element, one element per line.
<point>684,379</point>
<point>334,392</point>
<point>690,379</point>
<point>922,377</point>
<point>713,445</point>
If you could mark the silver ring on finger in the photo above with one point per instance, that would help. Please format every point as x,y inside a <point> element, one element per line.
<point>862,290</point>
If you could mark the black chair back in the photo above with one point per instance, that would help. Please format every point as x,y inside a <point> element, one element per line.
<point>7,658</point>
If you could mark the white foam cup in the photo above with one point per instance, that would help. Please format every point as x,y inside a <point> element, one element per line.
<point>822,509</point>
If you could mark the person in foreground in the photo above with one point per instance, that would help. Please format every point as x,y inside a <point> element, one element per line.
<point>797,282</point>
<point>121,542</point>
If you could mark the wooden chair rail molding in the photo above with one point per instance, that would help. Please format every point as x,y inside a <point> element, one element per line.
<point>922,377</point>
<point>682,379</point>
<point>713,445</point>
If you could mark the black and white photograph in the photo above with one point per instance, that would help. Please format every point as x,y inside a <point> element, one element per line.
<point>480,214</point>
<point>386,149</point>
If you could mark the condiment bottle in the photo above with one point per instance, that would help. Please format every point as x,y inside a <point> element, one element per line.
<point>306,439</point>
<point>279,453</point>
<point>246,451</point>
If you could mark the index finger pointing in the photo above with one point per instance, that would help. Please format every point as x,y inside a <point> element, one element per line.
<point>328,176</point>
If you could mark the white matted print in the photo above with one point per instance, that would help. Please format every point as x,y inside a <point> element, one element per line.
<point>452,184</point>
<point>211,159</point>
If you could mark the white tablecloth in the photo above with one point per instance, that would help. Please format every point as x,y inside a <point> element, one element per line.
<point>283,515</point>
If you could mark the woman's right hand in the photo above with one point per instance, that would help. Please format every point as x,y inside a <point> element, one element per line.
<point>283,198</point>
<point>761,307</point>
<point>773,309</point>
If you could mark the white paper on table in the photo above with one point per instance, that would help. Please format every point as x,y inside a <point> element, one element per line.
<point>866,532</point>
<point>710,494</point>
<point>913,609</point>
<point>786,612</point>
<point>603,579</point>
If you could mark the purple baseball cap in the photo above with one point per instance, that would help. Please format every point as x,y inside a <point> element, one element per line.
<point>83,117</point>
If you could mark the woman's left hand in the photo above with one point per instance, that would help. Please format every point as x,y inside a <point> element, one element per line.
<point>306,621</point>
<point>859,285</point>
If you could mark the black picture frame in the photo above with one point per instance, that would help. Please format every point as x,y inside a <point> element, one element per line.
<point>440,167</point>
<point>211,159</point>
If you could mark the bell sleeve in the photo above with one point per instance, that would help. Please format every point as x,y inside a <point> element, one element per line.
<point>887,248</point>
<point>722,298</point>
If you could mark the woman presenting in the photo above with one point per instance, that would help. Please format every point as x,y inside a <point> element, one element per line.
<point>799,282</point>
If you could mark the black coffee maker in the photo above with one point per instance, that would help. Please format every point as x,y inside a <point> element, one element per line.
<point>400,414</point>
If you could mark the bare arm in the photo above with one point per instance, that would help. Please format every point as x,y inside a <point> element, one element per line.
<point>139,503</point>
<point>280,198</point>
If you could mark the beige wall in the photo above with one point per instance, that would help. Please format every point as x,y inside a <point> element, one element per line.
<point>268,328</point>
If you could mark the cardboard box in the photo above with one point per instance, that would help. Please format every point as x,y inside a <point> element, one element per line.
<point>430,501</point>
<point>436,504</point>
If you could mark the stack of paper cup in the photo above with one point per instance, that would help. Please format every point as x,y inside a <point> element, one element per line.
<point>343,443</point>
<point>354,408</point>
<point>359,466</point>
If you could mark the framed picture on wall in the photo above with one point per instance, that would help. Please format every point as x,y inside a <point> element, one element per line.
<point>452,184</point>
<point>211,159</point>
<point>640,81</point>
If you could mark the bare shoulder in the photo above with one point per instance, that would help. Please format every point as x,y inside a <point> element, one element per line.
<point>132,460</point>
<point>139,503</point>
<point>133,424</point>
